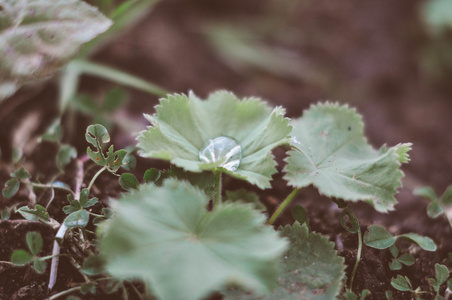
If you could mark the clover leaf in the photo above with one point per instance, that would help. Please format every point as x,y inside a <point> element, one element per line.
<point>166,232</point>
<point>333,154</point>
<point>184,126</point>
<point>37,38</point>
<point>23,257</point>
<point>312,268</point>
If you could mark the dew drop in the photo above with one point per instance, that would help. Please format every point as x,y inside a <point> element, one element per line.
<point>222,149</point>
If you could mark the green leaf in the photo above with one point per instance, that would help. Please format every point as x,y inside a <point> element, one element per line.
<point>39,213</point>
<point>64,156</point>
<point>388,294</point>
<point>54,133</point>
<point>378,237</point>
<point>129,182</point>
<point>88,288</point>
<point>78,218</point>
<point>395,265</point>
<point>94,265</point>
<point>5,214</point>
<point>434,210</point>
<point>183,126</point>
<point>114,99</point>
<point>446,198</point>
<point>401,283</point>
<point>34,242</point>
<point>349,295</point>
<point>299,214</point>
<point>21,174</point>
<point>437,14</point>
<point>97,135</point>
<point>426,192</point>
<point>205,180</point>
<point>245,196</point>
<point>449,284</point>
<point>333,154</point>
<point>151,175</point>
<point>349,221</point>
<point>11,188</point>
<point>364,294</point>
<point>312,268</point>
<point>39,265</point>
<point>407,259</point>
<point>394,251</point>
<point>37,38</point>
<point>441,273</point>
<point>165,236</point>
<point>21,257</point>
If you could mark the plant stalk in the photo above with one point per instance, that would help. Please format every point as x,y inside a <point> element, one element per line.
<point>218,188</point>
<point>283,206</point>
<point>95,177</point>
<point>358,257</point>
<point>74,289</point>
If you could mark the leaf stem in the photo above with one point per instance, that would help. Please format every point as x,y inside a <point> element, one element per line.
<point>358,257</point>
<point>283,206</point>
<point>74,289</point>
<point>83,66</point>
<point>218,187</point>
<point>51,186</point>
<point>95,177</point>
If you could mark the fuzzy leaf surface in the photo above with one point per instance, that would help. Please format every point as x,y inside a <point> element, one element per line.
<point>311,268</point>
<point>38,37</point>
<point>333,155</point>
<point>182,126</point>
<point>166,237</point>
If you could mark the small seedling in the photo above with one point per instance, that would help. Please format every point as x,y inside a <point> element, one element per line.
<point>403,284</point>
<point>397,261</point>
<point>349,295</point>
<point>24,257</point>
<point>441,276</point>
<point>437,206</point>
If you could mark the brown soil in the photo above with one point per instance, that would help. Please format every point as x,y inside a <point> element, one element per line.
<point>364,53</point>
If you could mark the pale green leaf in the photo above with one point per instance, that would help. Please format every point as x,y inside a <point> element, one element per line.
<point>395,265</point>
<point>78,218</point>
<point>426,192</point>
<point>39,213</point>
<point>183,125</point>
<point>11,188</point>
<point>64,156</point>
<point>424,242</point>
<point>333,154</point>
<point>441,273</point>
<point>311,268</point>
<point>407,259</point>
<point>401,283</point>
<point>166,237</point>
<point>38,37</point>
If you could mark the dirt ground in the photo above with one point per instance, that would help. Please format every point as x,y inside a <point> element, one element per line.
<point>365,53</point>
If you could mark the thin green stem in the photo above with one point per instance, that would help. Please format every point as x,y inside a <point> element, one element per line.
<point>95,215</point>
<point>283,206</point>
<point>83,66</point>
<point>74,289</point>
<point>358,257</point>
<point>95,177</point>
<point>51,186</point>
<point>218,187</point>
<point>51,256</point>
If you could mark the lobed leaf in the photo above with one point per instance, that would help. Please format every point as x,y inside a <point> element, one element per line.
<point>183,125</point>
<point>38,37</point>
<point>166,232</point>
<point>332,153</point>
<point>312,268</point>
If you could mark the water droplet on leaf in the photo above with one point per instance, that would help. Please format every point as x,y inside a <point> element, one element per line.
<point>222,149</point>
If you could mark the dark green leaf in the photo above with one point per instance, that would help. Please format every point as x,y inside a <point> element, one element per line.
<point>115,159</point>
<point>395,265</point>
<point>88,288</point>
<point>39,213</point>
<point>151,175</point>
<point>34,242</point>
<point>64,156</point>
<point>407,259</point>
<point>348,217</point>
<point>79,218</point>
<point>401,283</point>
<point>446,198</point>
<point>378,237</point>
<point>434,209</point>
<point>21,174</point>
<point>129,182</point>
<point>94,265</point>
<point>90,202</point>
<point>299,214</point>
<point>21,257</point>
<point>114,99</point>
<point>4,214</point>
<point>441,273</point>
<point>39,265</point>
<point>11,188</point>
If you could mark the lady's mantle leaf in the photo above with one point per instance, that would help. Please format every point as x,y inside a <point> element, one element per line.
<point>166,237</point>
<point>38,37</point>
<point>333,155</point>
<point>312,268</point>
<point>183,125</point>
